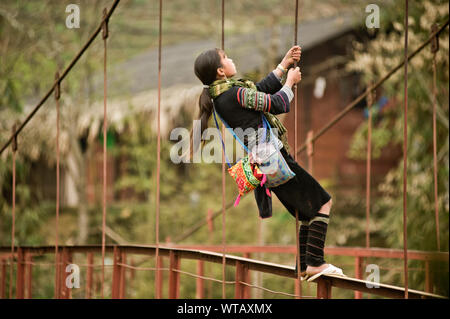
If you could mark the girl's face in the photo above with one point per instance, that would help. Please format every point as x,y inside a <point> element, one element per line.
<point>228,68</point>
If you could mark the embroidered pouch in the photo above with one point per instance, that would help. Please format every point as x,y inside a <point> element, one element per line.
<point>247,176</point>
<point>270,160</point>
<point>245,173</point>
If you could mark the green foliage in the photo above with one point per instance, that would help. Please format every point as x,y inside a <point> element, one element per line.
<point>382,53</point>
<point>29,217</point>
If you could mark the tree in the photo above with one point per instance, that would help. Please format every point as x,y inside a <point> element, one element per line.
<point>373,60</point>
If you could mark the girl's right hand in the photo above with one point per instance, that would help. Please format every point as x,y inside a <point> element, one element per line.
<point>294,76</point>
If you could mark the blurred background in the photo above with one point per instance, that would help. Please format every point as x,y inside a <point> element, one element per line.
<point>340,58</point>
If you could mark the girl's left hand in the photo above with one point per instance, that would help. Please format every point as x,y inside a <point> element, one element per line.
<point>293,55</point>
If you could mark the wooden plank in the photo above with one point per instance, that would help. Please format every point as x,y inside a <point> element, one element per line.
<point>383,290</point>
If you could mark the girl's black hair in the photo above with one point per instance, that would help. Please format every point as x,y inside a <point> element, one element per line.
<point>205,68</point>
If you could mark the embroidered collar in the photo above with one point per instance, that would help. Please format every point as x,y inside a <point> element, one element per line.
<point>219,86</point>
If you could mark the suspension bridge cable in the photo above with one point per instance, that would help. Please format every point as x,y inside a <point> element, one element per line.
<point>298,282</point>
<point>13,230</point>
<point>105,137</point>
<point>158,158</point>
<point>63,75</point>
<point>223,172</point>
<point>405,157</point>
<point>57,269</point>
<point>370,101</point>
<point>434,50</point>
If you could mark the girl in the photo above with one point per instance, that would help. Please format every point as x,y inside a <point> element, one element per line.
<point>240,104</point>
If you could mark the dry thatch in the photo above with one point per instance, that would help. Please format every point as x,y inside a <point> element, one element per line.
<point>39,135</point>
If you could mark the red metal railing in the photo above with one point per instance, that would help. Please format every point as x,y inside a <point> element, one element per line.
<point>359,253</point>
<point>243,266</point>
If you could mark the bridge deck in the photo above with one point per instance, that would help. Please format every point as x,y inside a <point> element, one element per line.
<point>384,290</point>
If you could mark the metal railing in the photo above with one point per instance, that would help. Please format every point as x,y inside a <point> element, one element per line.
<point>24,259</point>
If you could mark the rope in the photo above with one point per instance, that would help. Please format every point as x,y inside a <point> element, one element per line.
<point>274,291</point>
<point>105,124</point>
<point>201,223</point>
<point>297,239</point>
<point>434,49</point>
<point>158,159</point>
<point>51,264</point>
<point>310,151</point>
<point>89,277</point>
<point>405,158</point>
<point>223,172</point>
<point>94,265</point>
<point>368,164</point>
<point>57,273</point>
<point>143,268</point>
<point>295,85</point>
<point>204,277</point>
<point>13,230</point>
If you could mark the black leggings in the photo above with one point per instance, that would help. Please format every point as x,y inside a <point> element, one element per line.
<point>302,192</point>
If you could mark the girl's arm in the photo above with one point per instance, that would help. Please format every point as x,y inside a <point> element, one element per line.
<point>259,101</point>
<point>272,83</point>
<point>273,103</point>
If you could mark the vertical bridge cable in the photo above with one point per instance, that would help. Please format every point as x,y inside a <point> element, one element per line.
<point>405,150</point>
<point>57,272</point>
<point>105,36</point>
<point>223,171</point>
<point>13,228</point>
<point>297,239</point>
<point>63,75</point>
<point>295,85</point>
<point>158,159</point>
<point>434,49</point>
<point>370,101</point>
<point>310,151</point>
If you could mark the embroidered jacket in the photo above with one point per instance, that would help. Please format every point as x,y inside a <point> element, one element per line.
<point>241,106</point>
<point>240,103</point>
